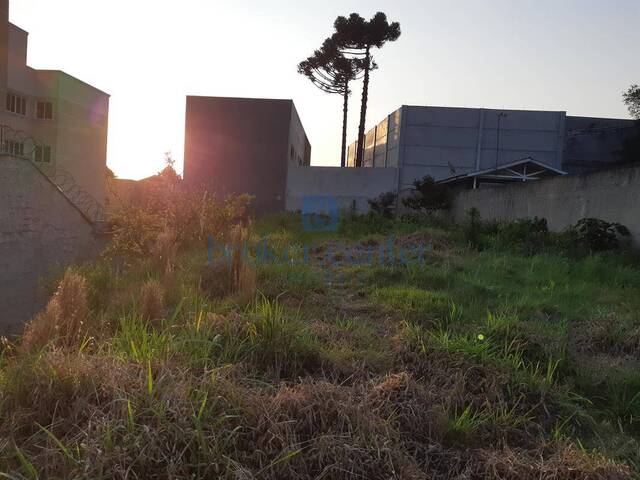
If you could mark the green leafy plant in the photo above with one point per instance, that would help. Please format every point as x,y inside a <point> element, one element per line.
<point>428,196</point>
<point>596,235</point>
<point>384,204</point>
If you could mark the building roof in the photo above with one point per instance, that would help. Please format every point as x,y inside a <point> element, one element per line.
<point>523,170</point>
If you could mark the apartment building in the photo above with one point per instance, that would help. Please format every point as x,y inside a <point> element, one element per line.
<point>52,118</point>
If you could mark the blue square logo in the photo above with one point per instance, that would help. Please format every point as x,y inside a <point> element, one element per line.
<point>320,213</point>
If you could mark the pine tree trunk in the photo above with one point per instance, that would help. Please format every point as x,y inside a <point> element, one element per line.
<point>345,110</point>
<point>363,108</point>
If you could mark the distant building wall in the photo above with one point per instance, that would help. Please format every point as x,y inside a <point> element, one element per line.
<point>444,142</point>
<point>243,145</point>
<point>612,195</point>
<point>299,146</point>
<point>595,143</point>
<point>40,234</point>
<point>347,186</point>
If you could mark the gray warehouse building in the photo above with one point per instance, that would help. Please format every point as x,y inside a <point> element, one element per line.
<point>446,142</point>
<point>244,145</point>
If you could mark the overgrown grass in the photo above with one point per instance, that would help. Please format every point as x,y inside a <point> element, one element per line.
<point>500,363</point>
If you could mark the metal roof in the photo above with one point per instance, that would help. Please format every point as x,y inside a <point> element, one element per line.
<point>523,170</point>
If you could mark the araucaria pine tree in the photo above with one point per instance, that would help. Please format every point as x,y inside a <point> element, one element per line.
<point>330,71</point>
<point>356,37</point>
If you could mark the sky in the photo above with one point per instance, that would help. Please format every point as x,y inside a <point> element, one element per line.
<point>569,55</point>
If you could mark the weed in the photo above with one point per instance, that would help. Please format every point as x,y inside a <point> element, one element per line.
<point>151,300</point>
<point>64,322</point>
<point>463,425</point>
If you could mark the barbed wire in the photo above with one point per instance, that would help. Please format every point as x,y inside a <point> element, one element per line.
<point>19,144</point>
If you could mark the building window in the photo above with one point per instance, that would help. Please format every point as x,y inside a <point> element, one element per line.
<point>16,104</point>
<point>12,147</point>
<point>44,110</point>
<point>43,154</point>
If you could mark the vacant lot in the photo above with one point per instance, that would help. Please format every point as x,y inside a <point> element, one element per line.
<point>388,349</point>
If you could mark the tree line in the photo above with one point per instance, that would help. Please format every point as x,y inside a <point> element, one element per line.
<point>347,56</point>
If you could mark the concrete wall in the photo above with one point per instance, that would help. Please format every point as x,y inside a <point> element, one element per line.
<point>40,234</point>
<point>612,195</point>
<point>242,145</point>
<point>345,185</point>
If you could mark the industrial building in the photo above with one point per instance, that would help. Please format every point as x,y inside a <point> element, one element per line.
<point>52,118</point>
<point>258,146</point>
<point>244,145</point>
<point>446,142</point>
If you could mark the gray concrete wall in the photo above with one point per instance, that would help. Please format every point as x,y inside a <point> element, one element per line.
<point>345,185</point>
<point>612,195</point>
<point>40,234</point>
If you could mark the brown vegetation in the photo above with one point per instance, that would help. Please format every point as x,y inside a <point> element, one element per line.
<point>65,320</point>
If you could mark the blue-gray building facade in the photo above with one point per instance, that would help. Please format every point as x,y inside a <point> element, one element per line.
<point>443,142</point>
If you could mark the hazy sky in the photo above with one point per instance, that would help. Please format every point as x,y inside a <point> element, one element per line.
<point>568,55</point>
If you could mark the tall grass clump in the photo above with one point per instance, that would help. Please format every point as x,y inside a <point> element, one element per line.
<point>278,339</point>
<point>233,272</point>
<point>64,322</point>
<point>151,299</point>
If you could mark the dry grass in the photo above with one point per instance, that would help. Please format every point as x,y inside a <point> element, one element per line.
<point>170,284</point>
<point>232,274</point>
<point>165,249</point>
<point>125,420</point>
<point>151,298</point>
<point>243,275</point>
<point>65,320</point>
<point>565,463</point>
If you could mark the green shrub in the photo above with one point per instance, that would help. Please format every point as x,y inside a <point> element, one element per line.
<point>594,235</point>
<point>384,204</point>
<point>591,235</point>
<point>428,196</point>
<point>528,235</point>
